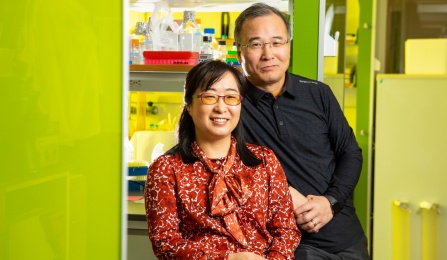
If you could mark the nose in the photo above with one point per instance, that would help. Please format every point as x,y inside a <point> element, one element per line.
<point>220,106</point>
<point>267,50</point>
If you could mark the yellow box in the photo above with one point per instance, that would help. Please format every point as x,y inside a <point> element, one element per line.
<point>426,56</point>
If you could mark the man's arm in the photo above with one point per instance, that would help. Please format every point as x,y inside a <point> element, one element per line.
<point>317,212</point>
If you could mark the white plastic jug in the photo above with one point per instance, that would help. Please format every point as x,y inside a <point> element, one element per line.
<point>158,150</point>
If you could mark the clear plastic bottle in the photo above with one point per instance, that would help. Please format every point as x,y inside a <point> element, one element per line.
<point>221,51</point>
<point>190,36</point>
<point>157,151</point>
<point>147,44</point>
<point>128,151</point>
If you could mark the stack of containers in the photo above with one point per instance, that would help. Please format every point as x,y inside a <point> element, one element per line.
<point>137,171</point>
<point>189,45</point>
<point>231,58</point>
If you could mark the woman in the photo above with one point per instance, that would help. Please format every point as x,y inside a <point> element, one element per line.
<point>213,196</point>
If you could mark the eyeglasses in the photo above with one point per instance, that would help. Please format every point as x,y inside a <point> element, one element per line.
<point>211,99</point>
<point>258,46</point>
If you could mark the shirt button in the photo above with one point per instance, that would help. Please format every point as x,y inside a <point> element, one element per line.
<point>276,106</point>
<point>281,123</point>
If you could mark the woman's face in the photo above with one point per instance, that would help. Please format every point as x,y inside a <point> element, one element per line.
<point>216,121</point>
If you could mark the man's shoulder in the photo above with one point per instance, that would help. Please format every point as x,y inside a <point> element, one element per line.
<point>300,80</point>
<point>298,85</point>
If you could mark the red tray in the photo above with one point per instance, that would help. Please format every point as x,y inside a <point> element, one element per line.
<point>171,57</point>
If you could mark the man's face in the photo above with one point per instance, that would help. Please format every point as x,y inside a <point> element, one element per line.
<point>264,67</point>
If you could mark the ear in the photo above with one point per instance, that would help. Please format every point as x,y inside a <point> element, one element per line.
<point>239,58</point>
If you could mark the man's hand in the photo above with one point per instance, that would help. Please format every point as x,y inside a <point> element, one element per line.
<point>314,214</point>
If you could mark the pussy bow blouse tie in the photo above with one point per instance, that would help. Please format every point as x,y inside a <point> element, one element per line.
<point>226,192</point>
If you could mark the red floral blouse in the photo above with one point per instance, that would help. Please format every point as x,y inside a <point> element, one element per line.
<point>214,207</point>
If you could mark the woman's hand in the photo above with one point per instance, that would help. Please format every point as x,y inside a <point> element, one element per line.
<point>298,199</point>
<point>245,256</point>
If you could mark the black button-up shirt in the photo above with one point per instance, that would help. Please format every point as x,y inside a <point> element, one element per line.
<point>310,135</point>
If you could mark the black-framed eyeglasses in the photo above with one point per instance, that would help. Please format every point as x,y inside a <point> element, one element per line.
<point>211,99</point>
<point>258,46</point>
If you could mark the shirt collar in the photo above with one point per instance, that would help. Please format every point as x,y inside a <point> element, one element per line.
<point>255,94</point>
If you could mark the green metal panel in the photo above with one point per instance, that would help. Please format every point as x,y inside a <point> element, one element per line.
<point>363,107</point>
<point>304,58</point>
<point>61,105</point>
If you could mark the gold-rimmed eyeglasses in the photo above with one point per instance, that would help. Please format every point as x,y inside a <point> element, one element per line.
<point>211,99</point>
<point>258,46</point>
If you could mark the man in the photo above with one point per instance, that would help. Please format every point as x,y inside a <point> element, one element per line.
<point>301,121</point>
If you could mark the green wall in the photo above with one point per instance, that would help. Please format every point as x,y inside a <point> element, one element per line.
<point>305,38</point>
<point>61,106</point>
<point>361,200</point>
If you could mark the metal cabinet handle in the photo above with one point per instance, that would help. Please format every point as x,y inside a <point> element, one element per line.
<point>429,232</point>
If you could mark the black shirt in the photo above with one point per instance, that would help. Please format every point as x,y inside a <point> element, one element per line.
<point>312,139</point>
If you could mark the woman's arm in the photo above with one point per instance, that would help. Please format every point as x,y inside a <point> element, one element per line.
<point>298,199</point>
<point>281,224</point>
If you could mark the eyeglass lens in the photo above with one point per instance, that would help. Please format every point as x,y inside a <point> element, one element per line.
<point>210,99</point>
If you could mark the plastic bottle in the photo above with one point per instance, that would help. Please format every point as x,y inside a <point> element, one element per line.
<point>128,151</point>
<point>135,52</point>
<point>190,36</point>
<point>210,32</point>
<point>147,44</point>
<point>221,51</point>
<point>143,34</point>
<point>157,151</point>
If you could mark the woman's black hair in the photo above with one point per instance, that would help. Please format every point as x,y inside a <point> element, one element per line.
<point>202,76</point>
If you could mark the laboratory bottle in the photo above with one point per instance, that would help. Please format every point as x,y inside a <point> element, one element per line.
<point>135,51</point>
<point>190,36</point>
<point>128,151</point>
<point>206,45</point>
<point>157,151</point>
<point>147,44</point>
<point>143,34</point>
<point>210,32</point>
<point>221,51</point>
